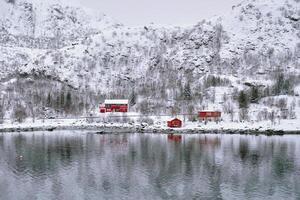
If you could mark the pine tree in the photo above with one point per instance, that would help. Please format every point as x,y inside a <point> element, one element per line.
<point>286,88</point>
<point>243,100</point>
<point>132,98</point>
<point>282,86</point>
<point>278,87</point>
<point>68,103</point>
<point>1,113</point>
<point>49,100</point>
<point>57,103</point>
<point>187,93</point>
<point>62,99</point>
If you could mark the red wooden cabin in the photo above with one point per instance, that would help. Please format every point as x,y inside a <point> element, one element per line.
<point>210,115</point>
<point>175,123</point>
<point>114,105</point>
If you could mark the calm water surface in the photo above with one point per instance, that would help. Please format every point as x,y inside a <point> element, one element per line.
<point>77,165</point>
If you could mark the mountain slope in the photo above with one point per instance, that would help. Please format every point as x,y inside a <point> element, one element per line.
<point>259,27</point>
<point>89,52</point>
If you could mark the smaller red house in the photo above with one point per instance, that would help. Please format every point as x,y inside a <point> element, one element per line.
<point>210,116</point>
<point>175,123</point>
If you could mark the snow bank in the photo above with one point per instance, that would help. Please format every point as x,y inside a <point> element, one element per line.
<point>284,127</point>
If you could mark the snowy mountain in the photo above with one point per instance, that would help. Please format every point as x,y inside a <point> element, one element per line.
<point>76,49</point>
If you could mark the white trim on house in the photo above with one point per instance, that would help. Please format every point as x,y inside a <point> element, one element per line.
<point>116,101</point>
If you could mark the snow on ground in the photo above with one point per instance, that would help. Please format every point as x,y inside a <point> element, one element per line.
<point>159,124</point>
<point>284,125</point>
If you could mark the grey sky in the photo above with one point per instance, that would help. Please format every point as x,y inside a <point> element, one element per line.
<point>164,12</point>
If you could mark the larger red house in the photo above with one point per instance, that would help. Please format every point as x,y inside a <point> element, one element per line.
<point>210,115</point>
<point>115,105</point>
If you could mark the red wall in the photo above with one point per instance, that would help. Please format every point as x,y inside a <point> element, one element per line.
<point>205,114</point>
<point>175,123</point>
<point>114,108</point>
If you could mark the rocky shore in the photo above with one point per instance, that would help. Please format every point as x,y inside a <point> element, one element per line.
<point>108,128</point>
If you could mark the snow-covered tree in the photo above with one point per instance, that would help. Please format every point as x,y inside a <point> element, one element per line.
<point>243,114</point>
<point>19,113</point>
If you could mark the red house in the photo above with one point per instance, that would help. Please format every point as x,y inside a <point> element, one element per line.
<point>209,115</point>
<point>175,123</point>
<point>115,105</point>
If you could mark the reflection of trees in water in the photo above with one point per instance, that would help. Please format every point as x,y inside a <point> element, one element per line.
<point>33,154</point>
<point>195,166</point>
<point>151,166</point>
<point>185,162</point>
<point>283,164</point>
<point>262,166</point>
<point>244,150</point>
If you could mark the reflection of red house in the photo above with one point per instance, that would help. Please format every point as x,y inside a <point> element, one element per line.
<point>175,123</point>
<point>114,105</point>
<point>209,115</point>
<point>175,138</point>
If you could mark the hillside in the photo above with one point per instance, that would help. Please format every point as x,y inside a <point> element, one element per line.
<point>62,60</point>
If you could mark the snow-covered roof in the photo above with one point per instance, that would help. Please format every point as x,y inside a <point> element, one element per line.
<point>171,119</point>
<point>116,101</point>
<point>209,111</point>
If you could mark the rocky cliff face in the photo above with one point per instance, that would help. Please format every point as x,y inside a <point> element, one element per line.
<point>75,41</point>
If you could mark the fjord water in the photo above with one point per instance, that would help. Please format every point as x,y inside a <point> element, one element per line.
<point>80,165</point>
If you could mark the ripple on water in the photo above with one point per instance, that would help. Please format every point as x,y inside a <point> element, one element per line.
<point>67,165</point>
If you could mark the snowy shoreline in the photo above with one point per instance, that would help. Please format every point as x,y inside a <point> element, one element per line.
<point>190,128</point>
